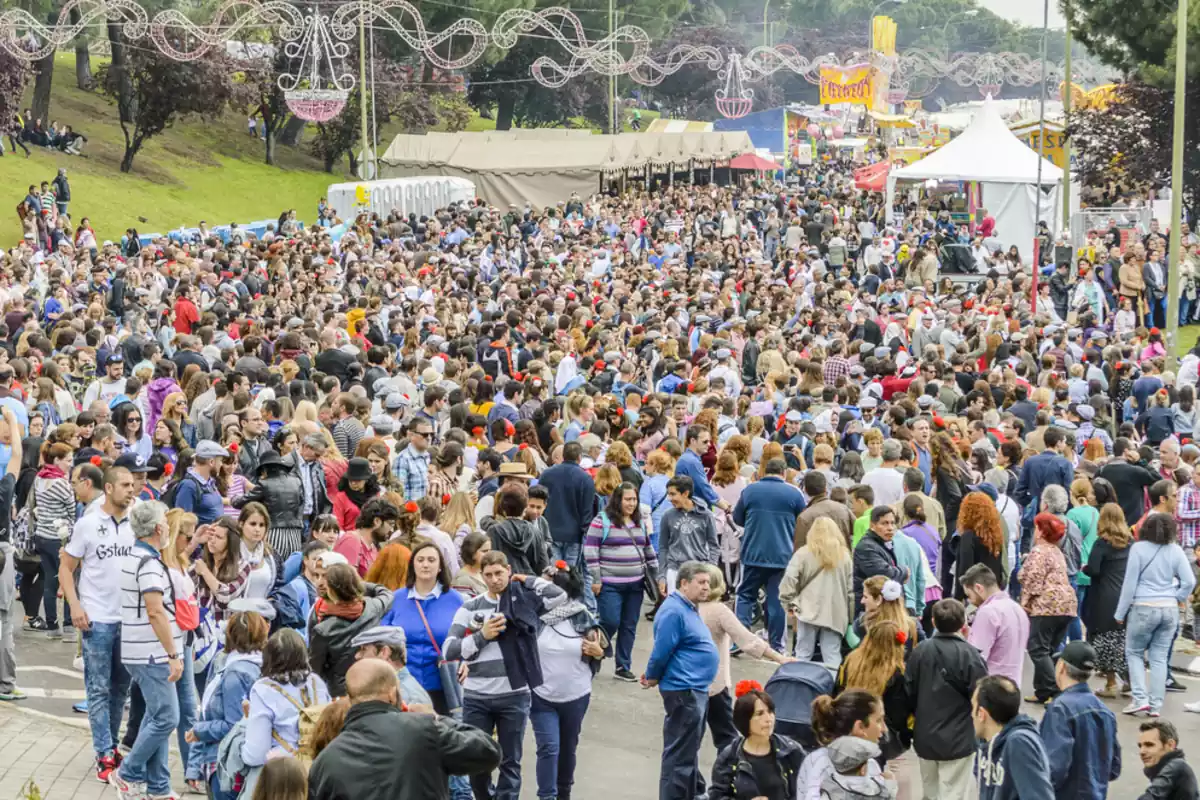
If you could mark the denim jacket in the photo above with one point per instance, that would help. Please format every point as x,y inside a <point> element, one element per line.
<point>1080,736</point>
<point>221,707</point>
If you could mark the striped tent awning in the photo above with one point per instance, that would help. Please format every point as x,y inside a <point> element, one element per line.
<point>678,126</point>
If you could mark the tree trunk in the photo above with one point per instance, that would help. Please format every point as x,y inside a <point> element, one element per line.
<point>350,154</point>
<point>270,140</point>
<point>42,84</point>
<point>291,132</point>
<point>126,103</point>
<point>504,111</point>
<point>83,59</point>
<point>132,145</point>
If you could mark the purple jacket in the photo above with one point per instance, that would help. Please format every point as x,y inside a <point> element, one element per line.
<point>924,535</point>
<point>156,393</point>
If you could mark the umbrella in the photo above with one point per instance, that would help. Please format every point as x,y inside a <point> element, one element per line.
<point>873,178</point>
<point>754,162</point>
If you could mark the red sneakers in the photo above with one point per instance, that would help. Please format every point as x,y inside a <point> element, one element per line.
<point>104,768</point>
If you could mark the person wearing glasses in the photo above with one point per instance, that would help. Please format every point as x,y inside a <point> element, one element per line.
<point>411,466</point>
<point>127,419</point>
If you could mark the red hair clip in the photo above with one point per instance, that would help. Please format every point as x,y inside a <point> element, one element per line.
<point>509,430</point>
<point>901,637</point>
<point>560,565</point>
<point>233,447</point>
<point>518,377</point>
<point>588,324</point>
<point>745,687</point>
<point>522,446</point>
<point>600,365</point>
<point>94,461</point>
<point>477,431</point>
<point>411,507</point>
<point>691,387</point>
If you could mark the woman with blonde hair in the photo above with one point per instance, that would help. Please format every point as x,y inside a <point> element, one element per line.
<point>579,412</point>
<point>620,456</point>
<point>771,450</point>
<point>1104,567</point>
<point>873,457</point>
<point>175,410</point>
<point>660,468</point>
<point>877,666</point>
<point>608,478</point>
<point>458,516</point>
<point>818,591</point>
<point>306,411</point>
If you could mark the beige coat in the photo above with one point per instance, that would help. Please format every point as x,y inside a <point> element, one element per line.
<point>821,597</point>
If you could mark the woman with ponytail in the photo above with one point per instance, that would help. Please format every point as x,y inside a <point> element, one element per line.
<point>761,763</point>
<point>877,666</point>
<point>854,712</point>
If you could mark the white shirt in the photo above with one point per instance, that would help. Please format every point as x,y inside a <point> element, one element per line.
<point>565,674</point>
<point>888,484</point>
<point>139,642</point>
<point>100,542</point>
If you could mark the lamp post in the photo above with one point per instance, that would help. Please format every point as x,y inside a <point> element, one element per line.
<point>1175,244</point>
<point>1066,100</point>
<point>766,25</point>
<point>974,12</point>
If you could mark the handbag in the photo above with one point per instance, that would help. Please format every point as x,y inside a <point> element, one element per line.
<point>447,670</point>
<point>649,579</point>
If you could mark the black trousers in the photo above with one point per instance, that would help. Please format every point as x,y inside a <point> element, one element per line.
<point>720,719</point>
<point>1044,635</point>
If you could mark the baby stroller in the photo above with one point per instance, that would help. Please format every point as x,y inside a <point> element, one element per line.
<point>793,687</point>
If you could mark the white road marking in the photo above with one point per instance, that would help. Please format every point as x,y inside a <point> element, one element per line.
<point>66,673</point>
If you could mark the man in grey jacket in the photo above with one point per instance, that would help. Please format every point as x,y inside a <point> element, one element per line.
<point>689,533</point>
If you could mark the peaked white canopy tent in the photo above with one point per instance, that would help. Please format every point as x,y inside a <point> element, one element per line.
<point>987,153</point>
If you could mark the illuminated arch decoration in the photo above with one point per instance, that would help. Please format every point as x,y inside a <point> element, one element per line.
<point>734,100</point>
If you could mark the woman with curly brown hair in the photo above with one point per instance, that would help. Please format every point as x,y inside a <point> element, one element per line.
<point>980,539</point>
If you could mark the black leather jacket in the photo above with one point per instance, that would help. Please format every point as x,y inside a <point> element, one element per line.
<point>733,775</point>
<point>283,495</point>
<point>1170,779</point>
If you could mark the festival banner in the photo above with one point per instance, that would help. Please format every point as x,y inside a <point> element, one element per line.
<point>841,85</point>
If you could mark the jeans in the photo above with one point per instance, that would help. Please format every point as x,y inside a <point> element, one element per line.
<point>147,761</point>
<point>1044,635</point>
<point>556,728</point>
<point>807,637</point>
<point>753,579</point>
<point>185,691</point>
<point>48,550</point>
<point>720,720</point>
<point>107,683</point>
<point>619,605</point>
<point>504,715</point>
<point>683,727</point>
<point>1156,312</point>
<point>1075,628</point>
<point>1185,310</point>
<point>573,555</point>
<point>1149,629</point>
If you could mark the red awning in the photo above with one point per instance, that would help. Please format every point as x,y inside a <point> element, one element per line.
<point>754,162</point>
<point>873,177</point>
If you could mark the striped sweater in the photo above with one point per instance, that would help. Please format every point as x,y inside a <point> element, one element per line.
<point>618,558</point>
<point>465,640</point>
<point>54,501</point>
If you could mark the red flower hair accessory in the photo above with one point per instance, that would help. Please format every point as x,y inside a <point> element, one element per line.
<point>691,387</point>
<point>445,499</point>
<point>168,469</point>
<point>600,365</point>
<point>477,430</point>
<point>560,565</point>
<point>745,687</point>
<point>509,430</point>
<point>233,447</point>
<point>901,637</point>
<point>94,461</point>
<point>588,324</point>
<point>522,446</point>
<point>411,507</point>
<point>518,377</point>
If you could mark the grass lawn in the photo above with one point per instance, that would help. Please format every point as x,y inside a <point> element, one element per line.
<point>1187,339</point>
<point>200,169</point>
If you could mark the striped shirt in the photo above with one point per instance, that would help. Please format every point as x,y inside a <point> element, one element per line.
<point>465,639</point>
<point>347,433</point>
<point>143,573</point>
<point>54,503</point>
<point>617,559</point>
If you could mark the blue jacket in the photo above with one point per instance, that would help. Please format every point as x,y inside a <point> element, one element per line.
<point>206,504</point>
<point>1038,472</point>
<point>684,657</point>
<point>224,707</point>
<point>1080,736</point>
<point>767,511</point>
<point>689,465</point>
<point>1013,765</point>
<point>571,507</point>
<point>439,611</point>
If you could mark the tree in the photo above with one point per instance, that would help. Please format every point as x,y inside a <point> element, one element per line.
<point>43,82</point>
<point>1134,38</point>
<point>1128,141</point>
<point>160,91</point>
<point>338,136</point>
<point>257,93</point>
<point>83,58</point>
<point>14,77</point>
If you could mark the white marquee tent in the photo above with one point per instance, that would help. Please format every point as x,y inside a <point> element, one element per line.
<point>988,153</point>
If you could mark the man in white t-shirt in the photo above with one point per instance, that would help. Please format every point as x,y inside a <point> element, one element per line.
<point>152,651</point>
<point>886,479</point>
<point>96,548</point>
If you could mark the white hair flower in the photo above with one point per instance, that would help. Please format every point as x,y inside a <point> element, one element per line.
<point>892,591</point>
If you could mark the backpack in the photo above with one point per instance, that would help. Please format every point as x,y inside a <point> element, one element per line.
<point>23,524</point>
<point>310,715</point>
<point>170,493</point>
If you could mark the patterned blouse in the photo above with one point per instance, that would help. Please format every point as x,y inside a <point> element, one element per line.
<point>1045,590</point>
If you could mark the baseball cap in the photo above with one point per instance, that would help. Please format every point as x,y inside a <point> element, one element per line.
<point>1079,655</point>
<point>132,462</point>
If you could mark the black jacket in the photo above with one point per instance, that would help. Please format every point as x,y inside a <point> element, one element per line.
<point>940,679</point>
<point>282,493</point>
<point>969,552</point>
<point>329,652</point>
<point>750,354</point>
<point>1106,567</point>
<point>733,775</point>
<point>336,363</point>
<point>1171,779</point>
<point>384,753</point>
<point>873,557</point>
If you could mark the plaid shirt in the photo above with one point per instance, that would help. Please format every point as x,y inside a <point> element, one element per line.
<point>835,367</point>
<point>412,470</point>
<point>1187,513</point>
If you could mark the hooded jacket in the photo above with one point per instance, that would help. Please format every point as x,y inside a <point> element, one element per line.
<point>1013,765</point>
<point>384,753</point>
<point>156,393</point>
<point>329,649</point>
<point>527,549</point>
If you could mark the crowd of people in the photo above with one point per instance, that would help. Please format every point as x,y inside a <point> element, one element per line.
<point>344,518</point>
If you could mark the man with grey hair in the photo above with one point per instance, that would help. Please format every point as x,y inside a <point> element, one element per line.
<point>151,649</point>
<point>887,479</point>
<point>305,462</point>
<point>391,644</point>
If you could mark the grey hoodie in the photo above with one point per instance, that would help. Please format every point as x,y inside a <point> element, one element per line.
<point>523,542</point>
<point>687,536</point>
<point>847,754</point>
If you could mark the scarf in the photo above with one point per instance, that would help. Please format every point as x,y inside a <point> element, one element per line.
<point>50,472</point>
<point>570,609</point>
<point>347,611</point>
<point>369,491</point>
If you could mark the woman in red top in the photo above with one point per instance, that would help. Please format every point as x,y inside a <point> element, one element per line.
<point>186,313</point>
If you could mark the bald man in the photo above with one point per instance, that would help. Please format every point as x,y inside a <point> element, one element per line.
<point>384,753</point>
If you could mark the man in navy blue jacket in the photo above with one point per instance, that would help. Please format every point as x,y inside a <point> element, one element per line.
<point>1046,468</point>
<point>767,512</point>
<point>1078,731</point>
<point>570,510</point>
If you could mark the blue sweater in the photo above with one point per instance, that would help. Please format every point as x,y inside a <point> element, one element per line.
<point>689,464</point>
<point>1080,736</point>
<point>1155,573</point>
<point>439,611</point>
<point>684,657</point>
<point>767,511</point>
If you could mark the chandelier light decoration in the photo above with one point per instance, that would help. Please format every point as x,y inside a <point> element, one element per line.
<point>319,44</point>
